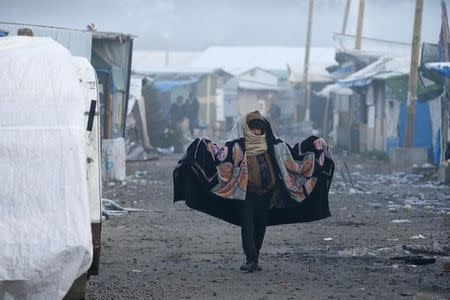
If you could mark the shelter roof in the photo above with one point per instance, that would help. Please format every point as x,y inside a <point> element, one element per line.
<point>383,68</point>
<point>145,61</point>
<point>237,60</point>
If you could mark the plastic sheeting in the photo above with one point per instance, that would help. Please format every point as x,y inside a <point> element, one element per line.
<point>111,58</point>
<point>423,135</point>
<point>443,68</point>
<point>45,240</point>
<point>113,159</point>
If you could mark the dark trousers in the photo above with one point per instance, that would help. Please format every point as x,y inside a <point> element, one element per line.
<point>253,224</point>
<point>193,123</point>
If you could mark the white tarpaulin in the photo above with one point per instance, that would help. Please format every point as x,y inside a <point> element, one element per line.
<point>45,237</point>
<point>113,159</point>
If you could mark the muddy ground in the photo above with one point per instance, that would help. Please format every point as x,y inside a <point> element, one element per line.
<point>361,252</point>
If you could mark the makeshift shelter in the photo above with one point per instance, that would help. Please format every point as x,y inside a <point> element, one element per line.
<point>111,58</point>
<point>165,93</point>
<point>237,60</point>
<point>171,81</point>
<point>110,54</point>
<point>369,107</point>
<point>284,62</point>
<point>257,89</point>
<point>318,76</point>
<point>137,142</point>
<point>439,72</point>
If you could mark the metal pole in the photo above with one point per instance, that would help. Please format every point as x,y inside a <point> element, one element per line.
<point>359,28</point>
<point>347,9</point>
<point>306,64</point>
<point>413,73</point>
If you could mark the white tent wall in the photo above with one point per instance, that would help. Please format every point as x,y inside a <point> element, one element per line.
<point>44,211</point>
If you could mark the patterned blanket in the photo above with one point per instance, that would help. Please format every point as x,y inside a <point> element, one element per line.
<point>213,179</point>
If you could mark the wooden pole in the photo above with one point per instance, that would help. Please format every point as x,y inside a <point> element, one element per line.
<point>306,64</point>
<point>444,116</point>
<point>109,109</point>
<point>208,101</point>
<point>444,98</point>
<point>347,9</point>
<point>324,132</point>
<point>413,73</point>
<point>359,28</point>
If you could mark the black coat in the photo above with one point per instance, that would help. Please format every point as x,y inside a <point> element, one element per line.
<point>197,174</point>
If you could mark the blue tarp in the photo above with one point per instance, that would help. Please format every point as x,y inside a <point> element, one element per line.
<point>355,83</point>
<point>342,71</point>
<point>442,69</point>
<point>423,135</point>
<point>168,85</point>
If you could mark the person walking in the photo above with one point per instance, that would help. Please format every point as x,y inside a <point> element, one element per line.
<point>192,108</point>
<point>177,111</point>
<point>256,180</point>
<point>260,186</point>
<point>175,133</point>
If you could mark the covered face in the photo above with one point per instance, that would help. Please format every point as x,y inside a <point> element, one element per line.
<point>256,123</point>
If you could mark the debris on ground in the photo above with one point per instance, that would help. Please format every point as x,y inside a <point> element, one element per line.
<point>417,237</point>
<point>419,249</point>
<point>112,209</point>
<point>401,221</point>
<point>166,151</point>
<point>415,260</point>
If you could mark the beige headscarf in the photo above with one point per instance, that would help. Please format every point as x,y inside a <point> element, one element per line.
<point>254,144</point>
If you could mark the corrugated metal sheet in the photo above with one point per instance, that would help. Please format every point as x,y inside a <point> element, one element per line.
<point>78,42</point>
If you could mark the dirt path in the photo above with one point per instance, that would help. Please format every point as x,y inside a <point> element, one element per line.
<point>172,252</point>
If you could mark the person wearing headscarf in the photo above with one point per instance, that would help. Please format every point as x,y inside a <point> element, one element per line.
<point>256,180</point>
<point>260,186</point>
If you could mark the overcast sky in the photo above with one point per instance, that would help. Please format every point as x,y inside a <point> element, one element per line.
<point>197,24</point>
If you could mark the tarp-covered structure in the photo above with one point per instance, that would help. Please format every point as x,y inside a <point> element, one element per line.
<point>44,211</point>
<point>158,96</point>
<point>170,76</point>
<point>111,58</point>
<point>442,68</point>
<point>438,72</point>
<point>110,54</point>
<point>369,112</point>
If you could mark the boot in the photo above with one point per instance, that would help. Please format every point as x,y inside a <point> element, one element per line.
<point>249,267</point>
<point>258,267</point>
